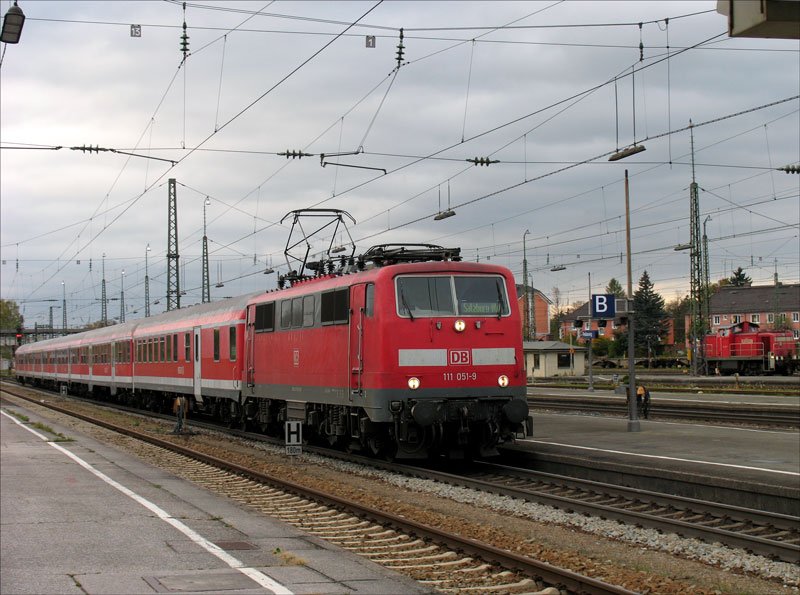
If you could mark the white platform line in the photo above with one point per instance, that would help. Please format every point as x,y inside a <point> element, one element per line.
<point>256,575</point>
<point>637,454</point>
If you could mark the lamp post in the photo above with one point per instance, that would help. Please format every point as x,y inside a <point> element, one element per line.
<point>633,414</point>
<point>122,297</point>
<point>527,329</point>
<point>146,283</point>
<point>591,338</point>
<point>12,24</point>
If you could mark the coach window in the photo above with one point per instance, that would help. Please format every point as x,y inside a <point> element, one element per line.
<point>369,300</point>
<point>175,347</point>
<point>265,317</point>
<point>163,349</point>
<point>308,310</point>
<point>232,343</point>
<point>197,348</point>
<point>187,347</point>
<point>216,344</point>
<point>286,314</point>
<point>169,348</point>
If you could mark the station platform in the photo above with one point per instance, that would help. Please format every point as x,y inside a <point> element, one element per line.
<point>82,517</point>
<point>746,466</point>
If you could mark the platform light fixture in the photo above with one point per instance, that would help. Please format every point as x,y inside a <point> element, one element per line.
<point>627,152</point>
<point>444,215</point>
<point>12,24</point>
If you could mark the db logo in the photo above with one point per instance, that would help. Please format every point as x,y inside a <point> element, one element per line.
<point>459,357</point>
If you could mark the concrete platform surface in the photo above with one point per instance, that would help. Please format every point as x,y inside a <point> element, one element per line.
<point>81,517</point>
<point>740,454</point>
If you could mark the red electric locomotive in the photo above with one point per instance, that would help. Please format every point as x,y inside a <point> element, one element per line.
<point>405,353</point>
<point>745,349</point>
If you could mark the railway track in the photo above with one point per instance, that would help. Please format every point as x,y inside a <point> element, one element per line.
<point>773,535</point>
<point>785,418</point>
<point>442,560</point>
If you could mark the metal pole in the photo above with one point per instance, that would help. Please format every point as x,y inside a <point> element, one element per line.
<point>527,328</point>
<point>146,284</point>
<point>103,298</point>
<point>122,297</point>
<point>633,414</point>
<point>64,307</point>
<point>589,328</point>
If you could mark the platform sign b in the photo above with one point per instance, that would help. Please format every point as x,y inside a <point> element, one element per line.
<point>603,305</point>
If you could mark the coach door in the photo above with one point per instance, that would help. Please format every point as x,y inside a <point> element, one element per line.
<point>197,365</point>
<point>114,353</point>
<point>358,318</point>
<point>249,347</point>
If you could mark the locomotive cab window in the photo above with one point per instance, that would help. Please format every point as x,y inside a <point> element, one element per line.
<point>265,317</point>
<point>463,295</point>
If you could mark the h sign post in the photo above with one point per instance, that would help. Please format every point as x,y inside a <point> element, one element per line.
<point>294,437</point>
<point>604,305</point>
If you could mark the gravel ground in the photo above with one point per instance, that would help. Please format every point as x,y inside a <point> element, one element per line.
<point>641,560</point>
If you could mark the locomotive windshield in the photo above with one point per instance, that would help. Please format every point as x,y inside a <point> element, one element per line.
<point>461,295</point>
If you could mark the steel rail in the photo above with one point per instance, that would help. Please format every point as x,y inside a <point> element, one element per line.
<point>789,418</point>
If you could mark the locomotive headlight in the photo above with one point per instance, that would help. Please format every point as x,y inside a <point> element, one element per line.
<point>460,325</point>
<point>413,383</point>
<point>503,380</point>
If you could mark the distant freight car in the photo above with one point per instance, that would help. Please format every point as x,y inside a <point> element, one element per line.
<point>404,353</point>
<point>745,349</point>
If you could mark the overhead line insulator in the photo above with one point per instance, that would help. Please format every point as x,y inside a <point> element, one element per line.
<point>400,48</point>
<point>295,154</point>
<point>790,169</point>
<point>483,161</point>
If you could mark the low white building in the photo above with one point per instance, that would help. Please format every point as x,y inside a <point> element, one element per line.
<point>545,359</point>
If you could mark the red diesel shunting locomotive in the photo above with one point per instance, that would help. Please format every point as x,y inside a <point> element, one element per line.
<point>406,353</point>
<point>743,348</point>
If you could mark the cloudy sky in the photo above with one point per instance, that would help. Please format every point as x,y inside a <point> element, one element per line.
<point>546,91</point>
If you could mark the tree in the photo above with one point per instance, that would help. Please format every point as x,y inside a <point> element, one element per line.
<point>650,317</point>
<point>739,279</point>
<point>678,310</point>
<point>615,287</point>
<point>10,319</point>
<point>555,322</point>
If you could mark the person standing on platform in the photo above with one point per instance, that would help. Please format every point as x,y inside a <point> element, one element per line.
<point>643,400</point>
<point>179,409</point>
